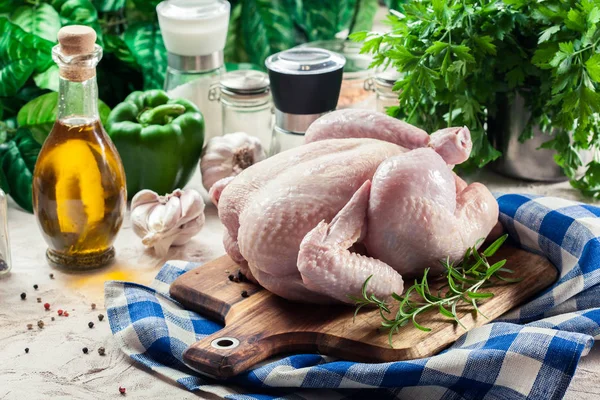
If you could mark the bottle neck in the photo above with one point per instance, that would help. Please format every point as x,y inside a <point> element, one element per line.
<point>78,100</point>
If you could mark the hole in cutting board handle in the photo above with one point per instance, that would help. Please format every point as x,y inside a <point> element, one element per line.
<point>225,343</point>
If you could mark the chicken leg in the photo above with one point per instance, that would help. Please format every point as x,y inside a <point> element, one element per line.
<point>327,266</point>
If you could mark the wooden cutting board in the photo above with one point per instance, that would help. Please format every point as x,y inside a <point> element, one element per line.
<point>263,325</point>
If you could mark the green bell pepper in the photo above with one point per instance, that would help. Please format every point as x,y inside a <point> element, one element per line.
<point>159,140</point>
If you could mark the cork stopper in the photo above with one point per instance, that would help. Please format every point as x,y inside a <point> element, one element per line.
<point>76,39</point>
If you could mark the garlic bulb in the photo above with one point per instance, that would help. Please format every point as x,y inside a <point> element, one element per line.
<point>228,155</point>
<point>165,221</point>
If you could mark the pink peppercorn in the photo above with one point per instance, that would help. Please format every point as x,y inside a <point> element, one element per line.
<point>47,306</point>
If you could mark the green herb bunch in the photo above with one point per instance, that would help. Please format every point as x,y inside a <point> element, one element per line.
<point>459,57</point>
<point>463,283</point>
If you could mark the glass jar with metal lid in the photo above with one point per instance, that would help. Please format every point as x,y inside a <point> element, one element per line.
<point>246,104</point>
<point>386,97</point>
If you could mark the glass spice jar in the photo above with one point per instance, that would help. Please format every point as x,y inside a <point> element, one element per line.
<point>385,96</point>
<point>246,104</point>
<point>5,261</point>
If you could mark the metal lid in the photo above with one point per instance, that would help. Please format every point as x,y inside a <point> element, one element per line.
<point>193,9</point>
<point>305,61</point>
<point>388,77</point>
<point>245,82</point>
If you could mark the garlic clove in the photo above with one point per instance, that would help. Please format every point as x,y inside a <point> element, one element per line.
<point>192,205</point>
<point>143,197</point>
<point>139,216</point>
<point>163,221</point>
<point>188,231</point>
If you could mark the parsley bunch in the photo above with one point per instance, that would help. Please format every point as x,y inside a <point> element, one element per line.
<point>457,57</point>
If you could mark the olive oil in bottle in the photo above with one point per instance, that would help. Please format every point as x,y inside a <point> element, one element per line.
<point>79,192</point>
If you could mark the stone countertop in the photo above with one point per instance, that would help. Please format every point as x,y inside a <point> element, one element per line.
<point>56,367</point>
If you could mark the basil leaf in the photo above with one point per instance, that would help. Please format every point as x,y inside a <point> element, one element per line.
<point>72,12</point>
<point>41,20</point>
<point>146,45</point>
<point>267,28</point>
<point>364,16</point>
<point>48,79</point>
<point>17,162</point>
<point>322,21</point>
<point>40,113</point>
<point>116,45</point>
<point>17,58</point>
<point>109,5</point>
<point>234,46</point>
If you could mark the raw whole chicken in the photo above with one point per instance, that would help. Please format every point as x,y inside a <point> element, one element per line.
<point>292,221</point>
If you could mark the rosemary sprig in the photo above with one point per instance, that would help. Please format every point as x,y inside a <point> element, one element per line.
<point>464,281</point>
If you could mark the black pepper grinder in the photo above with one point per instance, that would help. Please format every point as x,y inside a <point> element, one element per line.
<point>305,84</point>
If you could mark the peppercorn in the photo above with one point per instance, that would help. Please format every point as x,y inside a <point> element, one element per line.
<point>26,350</point>
<point>245,293</point>
<point>41,323</point>
<point>51,276</point>
<point>241,276</point>
<point>39,299</point>
<point>101,351</point>
<point>93,306</point>
<point>52,319</point>
<point>85,350</point>
<point>23,296</point>
<point>66,314</point>
<point>29,326</point>
<point>100,317</point>
<point>91,324</point>
<point>230,277</point>
<point>46,306</point>
<point>60,312</point>
<point>35,286</point>
<point>122,390</point>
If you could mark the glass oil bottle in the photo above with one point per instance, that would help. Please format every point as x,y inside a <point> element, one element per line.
<point>79,192</point>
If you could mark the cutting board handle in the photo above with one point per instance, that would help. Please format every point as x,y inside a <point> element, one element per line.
<point>219,294</point>
<point>238,347</point>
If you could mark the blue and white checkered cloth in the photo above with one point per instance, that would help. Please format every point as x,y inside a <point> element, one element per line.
<point>532,353</point>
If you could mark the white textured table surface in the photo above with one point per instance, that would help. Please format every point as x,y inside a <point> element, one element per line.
<point>56,367</point>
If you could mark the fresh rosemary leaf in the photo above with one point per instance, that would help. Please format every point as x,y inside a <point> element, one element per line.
<point>491,250</point>
<point>445,312</point>
<point>480,295</point>
<point>416,324</point>
<point>461,286</point>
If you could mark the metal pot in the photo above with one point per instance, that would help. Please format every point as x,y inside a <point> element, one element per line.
<point>521,160</point>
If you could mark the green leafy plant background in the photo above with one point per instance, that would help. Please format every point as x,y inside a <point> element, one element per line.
<point>134,57</point>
